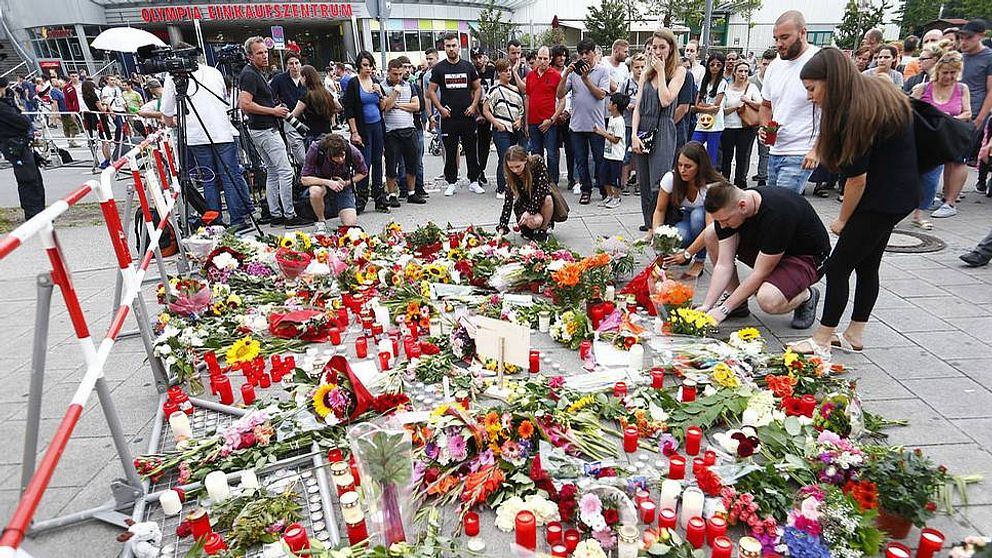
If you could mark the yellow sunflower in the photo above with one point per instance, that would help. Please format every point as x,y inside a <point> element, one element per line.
<point>320,400</point>
<point>304,239</point>
<point>243,350</point>
<point>287,241</point>
<point>749,334</point>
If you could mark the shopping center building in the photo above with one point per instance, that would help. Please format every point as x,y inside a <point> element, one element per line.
<point>57,33</point>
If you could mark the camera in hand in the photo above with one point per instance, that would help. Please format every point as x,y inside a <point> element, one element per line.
<point>580,66</point>
<point>157,59</point>
<point>300,127</point>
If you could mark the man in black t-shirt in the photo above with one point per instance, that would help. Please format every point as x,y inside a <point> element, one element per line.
<point>484,130</point>
<point>264,118</point>
<point>455,92</point>
<point>778,234</point>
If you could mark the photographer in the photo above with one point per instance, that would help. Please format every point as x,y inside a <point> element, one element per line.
<point>288,88</point>
<point>210,138</point>
<point>331,168</point>
<point>15,144</point>
<point>264,119</point>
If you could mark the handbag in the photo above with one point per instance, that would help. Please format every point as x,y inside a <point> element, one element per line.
<point>939,137</point>
<point>647,138</point>
<point>561,208</point>
<point>749,116</point>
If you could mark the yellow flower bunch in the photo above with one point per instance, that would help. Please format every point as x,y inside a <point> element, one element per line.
<point>725,376</point>
<point>582,403</point>
<point>456,254</point>
<point>319,400</point>
<point>425,289</point>
<point>689,321</point>
<point>748,334</point>
<point>493,365</point>
<point>288,241</point>
<point>243,350</point>
<point>441,409</point>
<point>164,318</point>
<point>789,358</point>
<point>437,272</point>
<point>413,272</point>
<point>303,239</point>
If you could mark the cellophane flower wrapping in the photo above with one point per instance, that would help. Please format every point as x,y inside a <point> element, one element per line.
<point>384,455</point>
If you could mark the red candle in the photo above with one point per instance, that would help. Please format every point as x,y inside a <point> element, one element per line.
<point>667,518</point>
<point>648,508</point>
<point>264,381</point>
<point>630,439</point>
<point>396,345</point>
<point>248,393</point>
<point>414,350</point>
<point>357,532</point>
<point>214,544</point>
<point>721,547</point>
<point>343,318</point>
<point>807,404</point>
<point>408,347</point>
<point>676,467</point>
<point>688,391</point>
<point>571,539</point>
<point>334,455</point>
<point>658,378</point>
<point>709,458</point>
<point>179,397</point>
<point>367,323</point>
<point>608,308</point>
<point>170,406</point>
<point>289,365</point>
<point>296,537</point>
<point>199,523</point>
<point>931,541</point>
<point>526,525</point>
<point>384,360</point>
<point>698,464</point>
<point>354,470</point>
<point>361,347</point>
<point>620,390</point>
<point>695,532</point>
<point>693,436</point>
<point>897,550</point>
<point>224,390</point>
<point>376,330</point>
<point>471,524</point>
<point>211,359</point>
<point>585,350</point>
<point>334,334</point>
<point>414,331</point>
<point>596,314</point>
<point>554,532</point>
<point>641,496</point>
<point>559,551</point>
<point>535,361</point>
<point>716,527</point>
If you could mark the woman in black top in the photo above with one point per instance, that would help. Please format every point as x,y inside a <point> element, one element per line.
<point>528,194</point>
<point>95,118</point>
<point>866,134</point>
<point>317,107</point>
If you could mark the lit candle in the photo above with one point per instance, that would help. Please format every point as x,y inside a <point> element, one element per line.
<point>695,532</point>
<point>248,393</point>
<point>931,541</point>
<point>716,527</point>
<point>698,464</point>
<point>334,335</point>
<point>670,492</point>
<point>676,467</point>
<point>526,527</point>
<point>217,488</point>
<point>688,391</point>
<point>630,439</point>
<point>471,524</point>
<point>223,385</point>
<point>249,480</point>
<point>709,458</point>
<point>179,423</point>
<point>295,537</point>
<point>667,518</point>
<point>693,436</point>
<point>692,506</point>
<point>214,544</point>
<point>635,356</point>
<point>628,542</point>
<point>721,547</point>
<point>361,347</point>
<point>554,533</point>
<point>658,377</point>
<point>169,500</point>
<point>647,511</point>
<point>571,539</point>
<point>896,550</point>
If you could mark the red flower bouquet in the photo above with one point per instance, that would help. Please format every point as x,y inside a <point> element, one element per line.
<point>292,262</point>
<point>188,297</point>
<point>362,400</point>
<point>308,325</point>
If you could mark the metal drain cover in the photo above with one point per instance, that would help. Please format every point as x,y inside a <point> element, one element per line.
<point>905,241</point>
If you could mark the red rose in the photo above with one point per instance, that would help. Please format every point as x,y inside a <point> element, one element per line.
<point>431,475</point>
<point>184,530</point>
<point>611,516</point>
<point>566,509</point>
<point>606,472</point>
<point>931,506</point>
<point>247,440</point>
<point>427,348</point>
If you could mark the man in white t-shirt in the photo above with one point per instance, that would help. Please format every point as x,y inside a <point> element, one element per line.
<point>616,63</point>
<point>210,137</point>
<point>792,158</point>
<point>692,55</point>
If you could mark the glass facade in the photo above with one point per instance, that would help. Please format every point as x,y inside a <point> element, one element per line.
<point>64,43</point>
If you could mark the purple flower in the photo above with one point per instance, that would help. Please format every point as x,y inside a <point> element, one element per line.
<point>431,450</point>
<point>457,447</point>
<point>605,539</point>
<point>667,444</point>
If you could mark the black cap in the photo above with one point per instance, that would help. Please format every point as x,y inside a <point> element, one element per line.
<point>973,27</point>
<point>477,52</point>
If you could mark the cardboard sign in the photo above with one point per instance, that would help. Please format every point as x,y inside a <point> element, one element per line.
<point>491,334</point>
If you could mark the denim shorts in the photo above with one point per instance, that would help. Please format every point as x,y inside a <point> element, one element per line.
<point>336,202</point>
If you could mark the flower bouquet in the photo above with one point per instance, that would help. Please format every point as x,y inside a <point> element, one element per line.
<point>689,321</point>
<point>666,240</point>
<point>571,328</point>
<point>907,484</point>
<point>385,461</point>
<point>425,240</point>
<point>309,325</point>
<point>341,396</point>
<point>771,132</point>
<point>291,262</point>
<point>668,295</point>
<point>827,522</point>
<point>188,297</point>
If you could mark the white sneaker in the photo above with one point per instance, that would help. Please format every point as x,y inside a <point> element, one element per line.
<point>450,190</point>
<point>960,197</point>
<point>945,211</point>
<point>612,203</point>
<point>500,196</point>
<point>577,189</point>
<point>475,188</point>
<point>320,228</point>
<point>936,203</point>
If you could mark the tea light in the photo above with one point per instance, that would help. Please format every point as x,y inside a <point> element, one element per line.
<point>295,537</point>
<point>692,506</point>
<point>559,551</point>
<point>931,541</point>
<point>471,524</point>
<point>670,492</point>
<point>693,436</point>
<point>716,527</point>
<point>695,531</point>
<point>179,423</point>
<point>667,518</point>
<point>526,528</point>
<point>721,547</point>
<point>896,550</point>
<point>217,488</point>
<point>676,467</point>
<point>171,505</point>
<point>647,509</point>
<point>750,547</point>
<point>249,480</point>
<point>554,534</point>
<point>571,539</point>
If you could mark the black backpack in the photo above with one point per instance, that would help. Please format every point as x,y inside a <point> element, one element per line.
<point>939,137</point>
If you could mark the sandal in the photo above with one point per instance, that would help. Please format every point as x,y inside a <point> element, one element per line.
<point>810,347</point>
<point>585,198</point>
<point>923,224</point>
<point>844,344</point>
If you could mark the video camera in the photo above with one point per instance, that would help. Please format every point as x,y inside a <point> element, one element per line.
<point>156,60</point>
<point>232,56</point>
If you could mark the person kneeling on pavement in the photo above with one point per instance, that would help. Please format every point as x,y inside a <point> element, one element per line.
<point>330,170</point>
<point>528,194</point>
<point>777,233</point>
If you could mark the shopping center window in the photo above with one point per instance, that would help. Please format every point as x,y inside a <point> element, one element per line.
<point>819,38</point>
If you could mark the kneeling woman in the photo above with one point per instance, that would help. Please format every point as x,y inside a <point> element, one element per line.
<point>680,204</point>
<point>528,194</point>
<point>866,134</point>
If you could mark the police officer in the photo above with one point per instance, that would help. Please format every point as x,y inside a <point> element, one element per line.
<point>15,144</point>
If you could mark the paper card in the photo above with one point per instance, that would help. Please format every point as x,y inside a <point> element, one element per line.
<point>518,299</point>
<point>442,290</point>
<point>366,371</point>
<point>412,417</point>
<point>609,356</point>
<point>515,339</point>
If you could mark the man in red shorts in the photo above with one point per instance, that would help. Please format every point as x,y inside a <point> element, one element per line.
<point>778,234</point>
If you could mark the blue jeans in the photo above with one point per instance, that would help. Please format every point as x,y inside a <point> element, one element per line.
<point>372,153</point>
<point>582,144</point>
<point>787,171</point>
<point>225,166</point>
<point>692,224</point>
<point>503,142</point>
<point>712,141</point>
<point>545,142</point>
<point>930,181</point>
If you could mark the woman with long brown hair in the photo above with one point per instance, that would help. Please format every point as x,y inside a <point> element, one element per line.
<point>866,134</point>
<point>528,194</point>
<point>654,115</point>
<point>317,107</point>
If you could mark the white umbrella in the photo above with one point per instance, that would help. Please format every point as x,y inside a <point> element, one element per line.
<point>125,39</point>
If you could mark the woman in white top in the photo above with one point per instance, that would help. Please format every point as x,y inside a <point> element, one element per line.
<point>503,108</point>
<point>886,59</point>
<point>680,204</point>
<point>709,106</point>
<point>738,138</point>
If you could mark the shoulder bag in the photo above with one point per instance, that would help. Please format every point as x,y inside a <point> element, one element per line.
<point>750,116</point>
<point>647,138</point>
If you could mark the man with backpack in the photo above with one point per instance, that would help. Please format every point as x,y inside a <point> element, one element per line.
<point>330,170</point>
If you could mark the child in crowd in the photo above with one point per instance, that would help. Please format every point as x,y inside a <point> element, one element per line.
<point>616,147</point>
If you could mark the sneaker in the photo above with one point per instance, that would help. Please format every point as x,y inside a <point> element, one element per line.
<point>277,221</point>
<point>500,196</point>
<point>805,314</point>
<point>980,187</point>
<point>960,197</point>
<point>381,206</point>
<point>944,211</point>
<point>974,259</point>
<point>320,228</point>
<point>577,189</point>
<point>416,199</point>
<point>237,228</point>
<point>612,203</point>
<point>450,190</point>
<point>936,203</point>
<point>393,200</point>
<point>475,188</point>
<point>104,165</point>
<point>296,222</point>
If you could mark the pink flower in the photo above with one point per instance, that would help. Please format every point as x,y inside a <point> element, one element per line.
<point>590,505</point>
<point>556,382</point>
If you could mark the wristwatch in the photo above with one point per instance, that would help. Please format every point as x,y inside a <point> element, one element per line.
<point>687,255</point>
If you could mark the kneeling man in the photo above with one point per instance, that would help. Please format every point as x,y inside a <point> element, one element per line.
<point>331,169</point>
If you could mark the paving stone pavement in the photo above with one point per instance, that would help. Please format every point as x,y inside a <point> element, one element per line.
<point>926,357</point>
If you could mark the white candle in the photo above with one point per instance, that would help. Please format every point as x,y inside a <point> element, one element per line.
<point>169,500</point>
<point>692,505</point>
<point>896,551</point>
<point>249,480</point>
<point>382,316</point>
<point>611,293</point>
<point>670,491</point>
<point>544,322</point>
<point>179,423</point>
<point>636,356</point>
<point>217,488</point>
<point>933,537</point>
<point>628,543</point>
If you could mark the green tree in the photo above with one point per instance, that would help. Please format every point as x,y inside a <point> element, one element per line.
<point>857,20</point>
<point>549,37</point>
<point>493,30</point>
<point>607,22</point>
<point>917,13</point>
<point>688,12</point>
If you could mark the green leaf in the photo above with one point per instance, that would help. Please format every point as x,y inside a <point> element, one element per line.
<point>792,426</point>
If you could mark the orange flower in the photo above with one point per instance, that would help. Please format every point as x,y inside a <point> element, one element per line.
<point>781,386</point>
<point>594,261</point>
<point>491,419</point>
<point>481,484</point>
<point>673,293</point>
<point>569,275</point>
<point>526,429</point>
<point>442,485</point>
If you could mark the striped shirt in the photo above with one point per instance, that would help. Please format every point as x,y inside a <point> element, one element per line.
<point>506,103</point>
